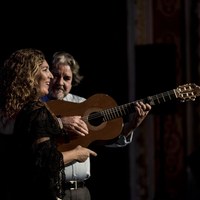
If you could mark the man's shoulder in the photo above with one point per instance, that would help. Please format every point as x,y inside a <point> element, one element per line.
<point>74,98</point>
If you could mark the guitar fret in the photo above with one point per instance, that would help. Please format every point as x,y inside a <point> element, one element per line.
<point>112,113</point>
<point>115,109</point>
<point>106,115</point>
<point>168,94</point>
<point>118,112</point>
<point>163,97</point>
<point>160,98</point>
<point>123,109</point>
<point>157,97</point>
<point>115,112</point>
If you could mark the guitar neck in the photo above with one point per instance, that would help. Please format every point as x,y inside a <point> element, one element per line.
<point>125,109</point>
<point>160,98</point>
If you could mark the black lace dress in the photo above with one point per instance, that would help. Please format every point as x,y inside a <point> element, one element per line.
<point>37,167</point>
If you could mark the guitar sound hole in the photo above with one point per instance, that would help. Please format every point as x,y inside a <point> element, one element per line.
<point>95,118</point>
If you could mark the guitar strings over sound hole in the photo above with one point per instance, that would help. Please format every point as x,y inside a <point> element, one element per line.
<point>95,118</point>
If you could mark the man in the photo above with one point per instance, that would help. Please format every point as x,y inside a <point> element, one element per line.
<point>65,70</point>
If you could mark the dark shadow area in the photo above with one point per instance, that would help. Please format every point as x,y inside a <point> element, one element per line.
<point>156,75</point>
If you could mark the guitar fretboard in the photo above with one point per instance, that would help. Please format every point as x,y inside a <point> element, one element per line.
<point>125,109</point>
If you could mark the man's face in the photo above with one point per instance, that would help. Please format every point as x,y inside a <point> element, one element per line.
<point>61,84</point>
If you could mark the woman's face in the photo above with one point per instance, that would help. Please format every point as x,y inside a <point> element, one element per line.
<point>43,77</point>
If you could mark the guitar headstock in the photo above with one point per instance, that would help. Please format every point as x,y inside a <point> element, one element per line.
<point>188,92</point>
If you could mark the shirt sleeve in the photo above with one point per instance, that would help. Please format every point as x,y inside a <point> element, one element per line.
<point>122,141</point>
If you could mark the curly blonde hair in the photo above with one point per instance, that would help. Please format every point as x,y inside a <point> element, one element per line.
<point>17,80</point>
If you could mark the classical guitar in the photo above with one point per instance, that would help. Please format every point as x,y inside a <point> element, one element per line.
<point>104,117</point>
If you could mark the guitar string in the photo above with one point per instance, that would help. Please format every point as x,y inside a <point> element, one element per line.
<point>119,111</point>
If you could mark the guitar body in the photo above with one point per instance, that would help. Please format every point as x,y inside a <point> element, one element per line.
<point>104,117</point>
<point>98,130</point>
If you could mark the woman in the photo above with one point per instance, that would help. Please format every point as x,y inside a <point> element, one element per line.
<point>36,167</point>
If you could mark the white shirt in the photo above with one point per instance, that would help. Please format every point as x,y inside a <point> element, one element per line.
<point>77,170</point>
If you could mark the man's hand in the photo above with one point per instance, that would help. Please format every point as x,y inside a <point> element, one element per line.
<point>74,124</point>
<point>142,110</point>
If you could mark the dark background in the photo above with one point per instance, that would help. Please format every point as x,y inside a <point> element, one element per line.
<point>93,32</point>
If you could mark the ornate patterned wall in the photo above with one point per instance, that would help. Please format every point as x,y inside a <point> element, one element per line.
<point>162,22</point>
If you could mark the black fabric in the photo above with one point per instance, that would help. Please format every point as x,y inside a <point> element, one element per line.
<point>6,143</point>
<point>38,168</point>
<point>194,164</point>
